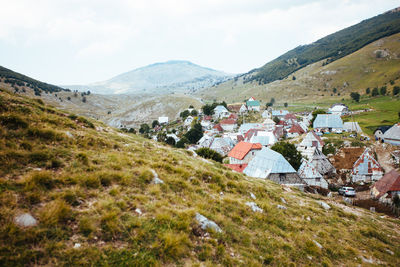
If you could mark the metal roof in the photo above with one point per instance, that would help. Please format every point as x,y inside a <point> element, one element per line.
<point>254,103</point>
<point>244,128</point>
<point>279,112</point>
<point>220,108</point>
<point>308,170</point>
<point>352,126</point>
<point>241,149</point>
<point>393,132</point>
<point>263,140</point>
<point>328,121</point>
<point>268,161</point>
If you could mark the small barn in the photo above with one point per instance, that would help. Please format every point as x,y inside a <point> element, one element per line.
<point>310,175</point>
<point>392,136</point>
<point>380,131</point>
<point>352,126</point>
<point>328,122</point>
<point>269,164</point>
<point>253,105</point>
<point>387,187</point>
<point>321,162</point>
<point>221,112</point>
<point>366,168</point>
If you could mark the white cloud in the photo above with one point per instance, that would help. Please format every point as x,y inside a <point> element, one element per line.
<point>231,35</point>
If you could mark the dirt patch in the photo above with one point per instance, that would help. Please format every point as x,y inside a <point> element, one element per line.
<point>346,157</point>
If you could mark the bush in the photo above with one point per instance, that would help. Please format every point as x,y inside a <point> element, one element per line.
<point>57,211</point>
<point>208,153</point>
<point>91,181</point>
<point>13,122</point>
<point>355,96</point>
<point>86,226</point>
<point>41,180</point>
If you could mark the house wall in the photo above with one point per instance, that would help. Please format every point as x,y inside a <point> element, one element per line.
<point>375,176</point>
<point>395,142</point>
<point>245,160</point>
<point>321,182</point>
<point>286,178</point>
<point>228,127</point>
<point>254,108</point>
<point>378,134</point>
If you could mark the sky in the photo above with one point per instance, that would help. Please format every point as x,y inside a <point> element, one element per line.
<point>68,42</point>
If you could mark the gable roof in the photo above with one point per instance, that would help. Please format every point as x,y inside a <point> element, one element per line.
<point>310,137</point>
<point>254,103</point>
<point>366,164</point>
<point>228,121</point>
<point>308,170</point>
<point>234,107</point>
<point>218,127</point>
<point>383,129</point>
<point>220,108</point>
<point>296,128</point>
<point>242,149</point>
<point>279,112</point>
<point>352,126</point>
<point>268,161</point>
<point>389,182</point>
<point>236,167</point>
<point>290,116</point>
<point>328,121</point>
<point>393,132</point>
<point>263,140</point>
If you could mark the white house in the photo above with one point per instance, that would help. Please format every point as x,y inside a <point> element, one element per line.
<point>328,122</point>
<point>163,120</point>
<point>221,112</point>
<point>228,124</point>
<point>269,124</point>
<point>253,105</point>
<point>366,168</point>
<point>243,152</point>
<point>266,114</point>
<point>188,121</point>
<point>338,109</point>
<point>392,136</point>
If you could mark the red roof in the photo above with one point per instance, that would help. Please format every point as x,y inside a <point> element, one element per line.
<point>318,138</point>
<point>228,121</point>
<point>233,116</point>
<point>234,107</point>
<point>389,182</point>
<point>240,138</point>
<point>236,167</point>
<point>218,127</point>
<point>207,118</point>
<point>242,148</point>
<point>296,128</point>
<point>250,133</point>
<point>290,116</point>
<point>282,122</point>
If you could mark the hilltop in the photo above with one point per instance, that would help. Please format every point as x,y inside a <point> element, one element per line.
<point>160,78</point>
<point>374,65</point>
<point>93,193</point>
<point>331,47</point>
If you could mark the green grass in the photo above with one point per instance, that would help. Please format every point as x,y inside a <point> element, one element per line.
<point>103,177</point>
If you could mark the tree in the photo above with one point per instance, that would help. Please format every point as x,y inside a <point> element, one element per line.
<point>170,141</point>
<point>69,98</point>
<point>315,113</point>
<point>289,152</point>
<point>285,104</point>
<point>84,99</point>
<point>181,143</point>
<point>208,153</point>
<point>367,91</point>
<point>294,78</point>
<point>334,90</point>
<point>194,113</point>
<point>184,114</point>
<point>396,90</point>
<point>383,90</point>
<point>132,130</point>
<point>155,123</point>
<point>144,128</point>
<point>194,134</point>
<point>191,106</point>
<point>208,110</point>
<point>272,101</point>
<point>355,96</point>
<point>269,104</point>
<point>375,92</point>
<point>276,120</point>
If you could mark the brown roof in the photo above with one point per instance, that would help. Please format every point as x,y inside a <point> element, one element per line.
<point>228,121</point>
<point>234,107</point>
<point>242,148</point>
<point>290,116</point>
<point>218,127</point>
<point>296,128</point>
<point>389,182</point>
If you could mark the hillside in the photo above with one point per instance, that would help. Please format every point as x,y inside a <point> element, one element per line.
<point>374,65</point>
<point>17,81</point>
<point>331,47</point>
<point>92,193</point>
<point>160,78</point>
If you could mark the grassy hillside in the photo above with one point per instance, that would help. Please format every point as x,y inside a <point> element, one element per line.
<point>331,47</point>
<point>375,65</point>
<point>91,185</point>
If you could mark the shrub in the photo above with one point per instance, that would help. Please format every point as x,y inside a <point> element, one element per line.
<point>208,153</point>
<point>106,179</point>
<point>56,211</point>
<point>71,197</point>
<point>85,121</point>
<point>91,181</point>
<point>86,226</point>
<point>42,180</point>
<point>13,122</point>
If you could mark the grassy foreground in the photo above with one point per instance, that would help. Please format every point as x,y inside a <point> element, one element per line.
<point>87,183</point>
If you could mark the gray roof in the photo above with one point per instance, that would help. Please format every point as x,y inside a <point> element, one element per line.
<point>352,126</point>
<point>247,126</point>
<point>308,170</point>
<point>328,121</point>
<point>263,140</point>
<point>393,132</point>
<point>268,161</point>
<point>279,112</point>
<point>220,108</point>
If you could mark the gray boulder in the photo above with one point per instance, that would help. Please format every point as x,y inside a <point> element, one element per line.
<point>254,207</point>
<point>206,223</point>
<point>324,205</point>
<point>156,179</point>
<point>25,220</point>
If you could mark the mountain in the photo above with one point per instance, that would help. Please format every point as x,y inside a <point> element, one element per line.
<point>375,65</point>
<point>166,77</point>
<point>331,47</point>
<point>89,192</point>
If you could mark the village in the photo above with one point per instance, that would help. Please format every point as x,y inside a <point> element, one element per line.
<point>320,153</point>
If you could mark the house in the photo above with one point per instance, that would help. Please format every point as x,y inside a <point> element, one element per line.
<point>236,167</point>
<point>338,109</point>
<point>243,109</point>
<point>366,168</point>
<point>269,124</point>
<point>188,121</point>
<point>312,140</point>
<point>392,136</point>
<point>243,152</point>
<point>245,127</point>
<point>279,113</point>
<point>221,112</point>
<point>251,99</point>
<point>352,126</point>
<point>234,107</point>
<point>387,187</point>
<point>321,163</point>
<point>217,128</point>
<point>380,131</point>
<point>253,105</point>
<point>228,124</point>
<point>163,120</point>
<point>222,145</point>
<point>328,122</point>
<point>266,114</point>
<point>278,132</point>
<point>310,175</point>
<point>266,138</point>
<point>269,164</point>
<point>295,130</point>
<point>290,116</point>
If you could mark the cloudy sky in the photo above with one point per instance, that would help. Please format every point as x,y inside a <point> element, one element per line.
<point>83,41</point>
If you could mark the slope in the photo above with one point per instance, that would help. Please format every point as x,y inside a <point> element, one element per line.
<point>161,78</point>
<point>331,47</point>
<point>90,188</point>
<point>374,65</point>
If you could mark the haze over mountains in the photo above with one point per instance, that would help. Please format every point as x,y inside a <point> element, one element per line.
<point>166,77</point>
